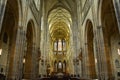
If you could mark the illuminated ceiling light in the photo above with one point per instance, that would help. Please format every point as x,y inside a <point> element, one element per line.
<point>0,52</point>
<point>118,51</point>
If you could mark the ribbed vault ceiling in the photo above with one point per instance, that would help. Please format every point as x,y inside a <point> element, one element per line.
<point>59,19</point>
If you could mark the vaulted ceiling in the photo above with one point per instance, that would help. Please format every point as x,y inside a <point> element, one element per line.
<point>60,17</point>
<point>59,22</point>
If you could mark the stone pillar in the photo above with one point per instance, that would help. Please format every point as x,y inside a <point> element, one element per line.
<point>101,57</point>
<point>19,54</point>
<point>16,55</point>
<point>40,69</point>
<point>116,4</point>
<point>80,68</point>
<point>21,50</point>
<point>98,56</point>
<point>33,61</point>
<point>4,58</point>
<point>2,11</point>
<point>95,54</point>
<point>45,46</point>
<point>22,53</point>
<point>44,40</point>
<point>75,42</point>
<point>75,35</point>
<point>15,73</point>
<point>37,62</point>
<point>85,61</point>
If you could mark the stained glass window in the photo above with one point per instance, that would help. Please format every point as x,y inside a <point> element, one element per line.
<point>59,45</point>
<point>64,45</point>
<point>55,46</point>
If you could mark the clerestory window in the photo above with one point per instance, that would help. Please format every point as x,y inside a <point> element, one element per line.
<point>59,46</point>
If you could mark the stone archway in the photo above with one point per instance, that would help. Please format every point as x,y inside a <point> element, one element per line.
<point>8,37</point>
<point>90,50</point>
<point>111,36</point>
<point>28,64</point>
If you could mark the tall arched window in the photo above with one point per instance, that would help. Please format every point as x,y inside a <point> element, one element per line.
<point>64,45</point>
<point>55,45</point>
<point>59,45</point>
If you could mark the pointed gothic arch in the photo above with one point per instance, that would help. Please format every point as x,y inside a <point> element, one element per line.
<point>28,65</point>
<point>90,50</point>
<point>110,34</point>
<point>8,42</point>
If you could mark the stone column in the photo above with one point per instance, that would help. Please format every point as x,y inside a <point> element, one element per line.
<point>116,4</point>
<point>4,58</point>
<point>101,57</point>
<point>85,61</point>
<point>80,68</point>
<point>75,37</point>
<point>2,11</point>
<point>45,46</point>
<point>35,61</point>
<point>33,75</point>
<point>22,53</point>
<point>98,56</point>
<point>44,40</point>
<point>21,50</point>
<point>16,55</point>
<point>19,55</point>
<point>95,54</point>
<point>75,42</point>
